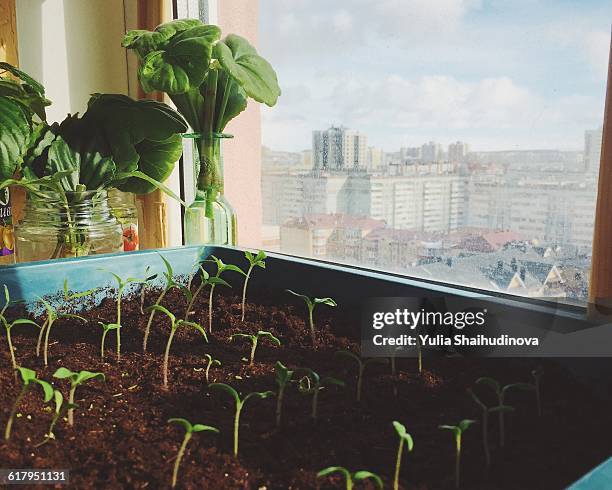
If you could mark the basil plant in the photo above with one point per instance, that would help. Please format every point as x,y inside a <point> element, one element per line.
<point>117,142</point>
<point>209,80</point>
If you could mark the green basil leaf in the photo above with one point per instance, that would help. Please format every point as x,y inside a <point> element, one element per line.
<point>253,73</point>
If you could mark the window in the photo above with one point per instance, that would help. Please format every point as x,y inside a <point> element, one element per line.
<point>456,141</point>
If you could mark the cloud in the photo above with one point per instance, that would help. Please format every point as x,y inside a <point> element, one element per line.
<point>597,51</point>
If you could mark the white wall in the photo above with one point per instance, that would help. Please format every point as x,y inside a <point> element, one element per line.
<point>74,48</point>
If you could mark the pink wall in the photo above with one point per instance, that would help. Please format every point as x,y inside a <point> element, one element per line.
<point>242,155</point>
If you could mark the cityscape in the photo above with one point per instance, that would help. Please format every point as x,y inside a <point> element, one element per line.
<point>516,221</point>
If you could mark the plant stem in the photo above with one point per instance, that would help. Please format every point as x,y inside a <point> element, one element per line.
<point>193,298</point>
<point>46,346</point>
<point>207,371</point>
<point>9,424</point>
<point>253,348</point>
<point>166,356</point>
<point>458,461</point>
<point>244,290</point>
<point>10,346</point>
<point>210,307</point>
<point>279,405</point>
<point>311,323</point>
<point>71,401</point>
<point>315,400</point>
<point>119,323</point>
<point>102,345</point>
<point>398,462</point>
<point>237,426</point>
<point>40,337</point>
<point>179,457</point>
<point>419,355</point>
<point>148,327</point>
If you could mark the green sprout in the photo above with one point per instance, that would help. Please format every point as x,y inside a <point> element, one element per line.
<point>239,405</point>
<point>485,422</point>
<point>61,407</point>
<point>75,379</point>
<point>311,384</point>
<point>537,374</point>
<point>311,303</point>
<point>404,438</point>
<point>206,281</point>
<point>69,296</point>
<point>254,339</point>
<point>221,268</point>
<point>210,362</point>
<point>500,392</point>
<point>106,327</point>
<point>143,288</point>
<point>175,324</point>
<point>458,431</point>
<point>283,378</point>
<point>121,286</point>
<point>393,362</point>
<point>8,327</point>
<point>361,365</point>
<point>258,260</point>
<point>189,431</point>
<point>170,284</point>
<point>351,478</point>
<point>29,378</point>
<point>52,316</point>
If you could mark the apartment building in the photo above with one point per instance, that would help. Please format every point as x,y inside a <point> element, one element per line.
<point>339,148</point>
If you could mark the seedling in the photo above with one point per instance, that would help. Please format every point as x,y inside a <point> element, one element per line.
<point>52,316</point>
<point>29,378</point>
<point>189,431</point>
<point>69,296</point>
<point>311,383</point>
<point>458,431</point>
<point>210,362</point>
<point>254,339</point>
<point>404,439</point>
<point>351,478</point>
<point>175,324</point>
<point>239,405</point>
<point>221,268</point>
<point>75,379</point>
<point>170,284</point>
<point>61,407</point>
<point>419,354</point>
<point>8,327</point>
<point>310,304</point>
<point>485,422</point>
<point>258,260</point>
<point>283,378</point>
<point>361,365</point>
<point>206,281</point>
<point>106,327</point>
<point>143,288</point>
<point>536,374</point>
<point>121,286</point>
<point>500,392</point>
<point>393,362</point>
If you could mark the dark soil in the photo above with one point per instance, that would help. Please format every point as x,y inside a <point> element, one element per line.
<point>121,438</point>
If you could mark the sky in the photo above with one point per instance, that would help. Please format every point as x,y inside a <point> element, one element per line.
<point>497,74</point>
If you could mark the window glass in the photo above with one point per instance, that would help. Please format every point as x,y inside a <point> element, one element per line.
<point>457,140</point>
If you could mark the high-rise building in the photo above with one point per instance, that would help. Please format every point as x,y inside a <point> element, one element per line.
<point>457,151</point>
<point>339,148</point>
<point>592,150</point>
<point>431,152</point>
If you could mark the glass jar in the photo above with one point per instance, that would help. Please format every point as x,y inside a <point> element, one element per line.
<point>7,240</point>
<point>123,208</point>
<point>71,225</point>
<point>210,219</point>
